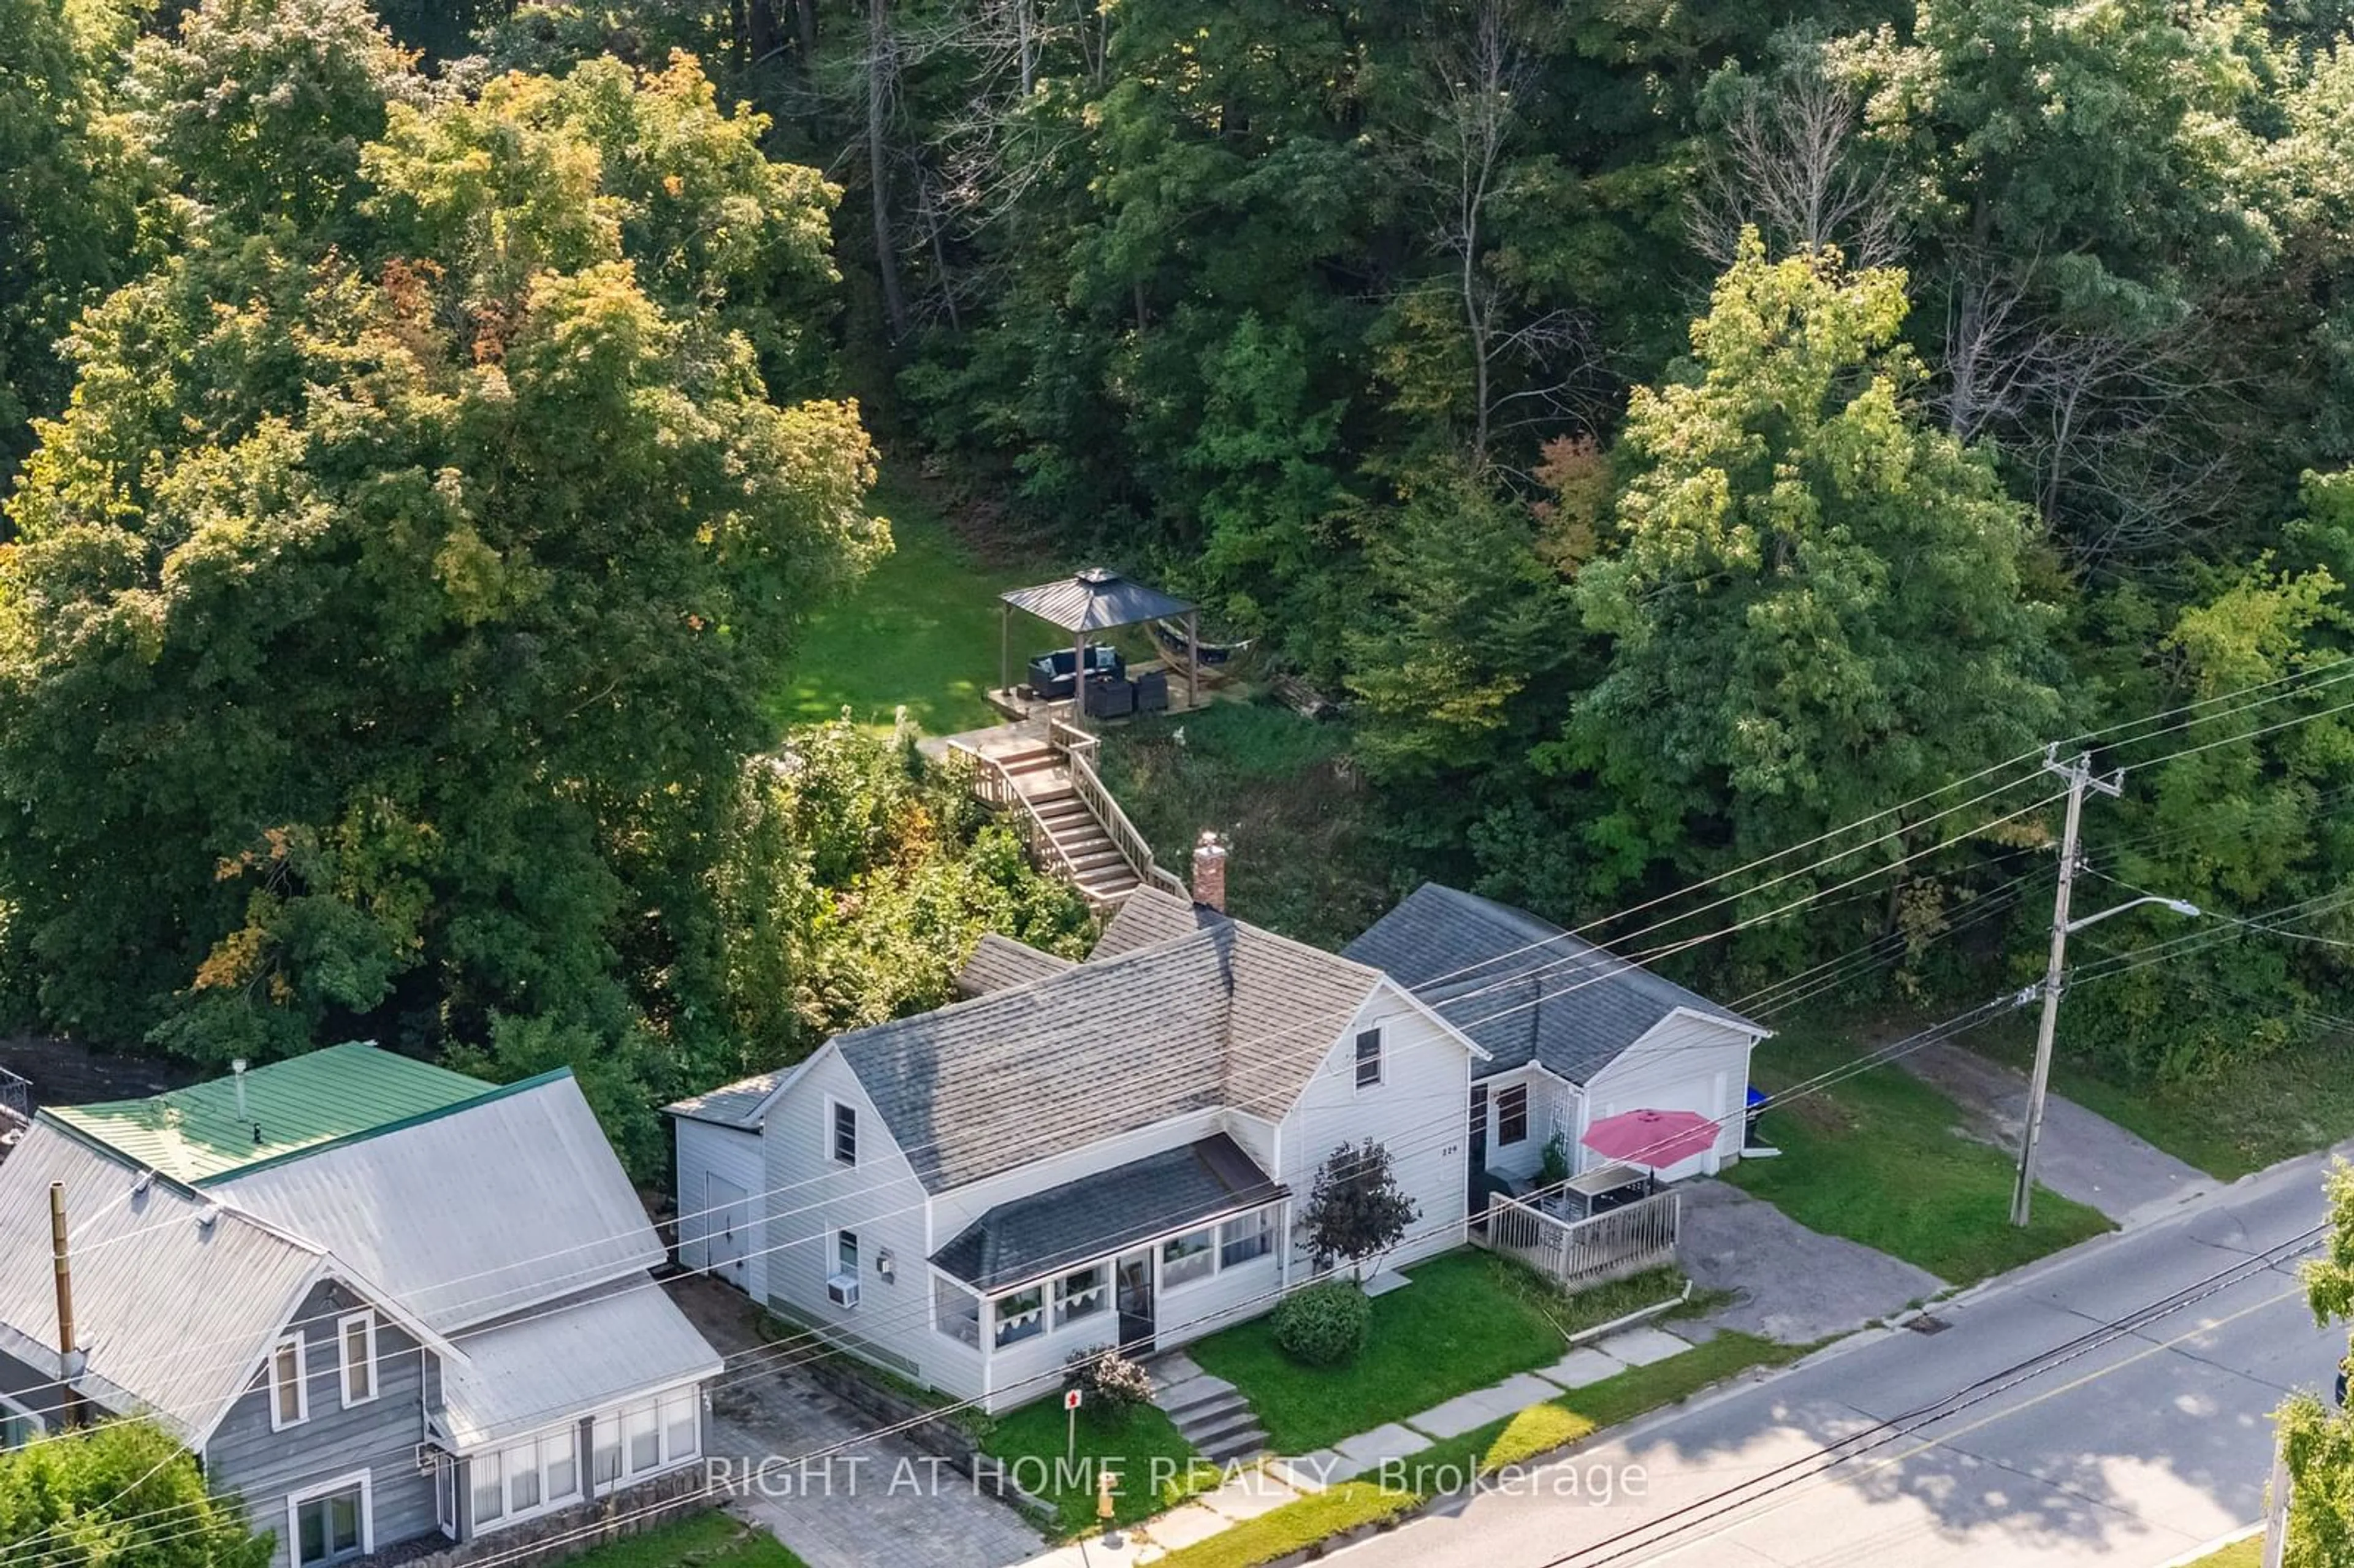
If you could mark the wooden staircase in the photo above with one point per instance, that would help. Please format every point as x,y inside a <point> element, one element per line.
<point>1081,846</point>
<point>1045,786</point>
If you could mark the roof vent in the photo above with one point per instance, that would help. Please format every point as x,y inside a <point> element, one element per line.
<point>145,1180</point>
<point>208,1216</point>
<point>238,1068</point>
<point>1097,575</point>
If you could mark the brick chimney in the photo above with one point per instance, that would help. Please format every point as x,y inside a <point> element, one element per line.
<point>1210,871</point>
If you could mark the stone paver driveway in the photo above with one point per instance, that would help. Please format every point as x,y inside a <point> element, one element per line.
<point>880,1501</point>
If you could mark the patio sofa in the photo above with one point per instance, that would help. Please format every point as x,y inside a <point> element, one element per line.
<point>1050,673</point>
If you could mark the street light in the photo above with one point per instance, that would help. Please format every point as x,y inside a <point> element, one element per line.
<point>2062,930</point>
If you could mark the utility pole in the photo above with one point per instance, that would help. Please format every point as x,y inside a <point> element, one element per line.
<point>2277,1500</point>
<point>70,1406</point>
<point>2079,775</point>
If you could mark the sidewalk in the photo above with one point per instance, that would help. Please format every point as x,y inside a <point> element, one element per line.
<point>1251,1489</point>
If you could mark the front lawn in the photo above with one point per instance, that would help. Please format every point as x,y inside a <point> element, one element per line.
<point>1466,1321</point>
<point>1157,1468</point>
<point>1877,1158</point>
<point>922,629</point>
<point>2248,1553</point>
<point>706,1540</point>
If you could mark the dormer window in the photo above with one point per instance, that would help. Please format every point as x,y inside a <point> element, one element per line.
<point>1369,1058</point>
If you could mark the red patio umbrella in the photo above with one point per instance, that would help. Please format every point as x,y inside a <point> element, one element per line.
<point>1652,1138</point>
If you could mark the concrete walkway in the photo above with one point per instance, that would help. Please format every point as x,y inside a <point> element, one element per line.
<point>1251,1489</point>
<point>2082,1156</point>
<point>1790,1284</point>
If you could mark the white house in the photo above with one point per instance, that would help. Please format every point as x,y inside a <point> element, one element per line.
<point>1080,1155</point>
<point>1116,1152</point>
<point>1572,1033</point>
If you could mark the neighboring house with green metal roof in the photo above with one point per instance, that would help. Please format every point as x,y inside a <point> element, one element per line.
<point>383,1302</point>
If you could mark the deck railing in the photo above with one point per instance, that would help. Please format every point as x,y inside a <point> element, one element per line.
<point>1578,1253</point>
<point>994,786</point>
<point>16,1098</point>
<point>1078,749</point>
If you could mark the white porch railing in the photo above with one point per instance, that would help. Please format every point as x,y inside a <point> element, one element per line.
<point>1578,1253</point>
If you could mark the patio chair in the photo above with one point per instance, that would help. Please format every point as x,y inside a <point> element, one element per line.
<point>1153,692</point>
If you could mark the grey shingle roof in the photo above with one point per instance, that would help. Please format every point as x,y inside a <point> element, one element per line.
<point>1225,1015</point>
<point>1096,1215</point>
<point>1095,601</point>
<point>1522,987</point>
<point>1147,917</point>
<point>1000,961</point>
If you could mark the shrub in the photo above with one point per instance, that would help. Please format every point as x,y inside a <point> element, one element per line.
<point>1325,1325</point>
<point>1112,1385</point>
<point>1538,1429</point>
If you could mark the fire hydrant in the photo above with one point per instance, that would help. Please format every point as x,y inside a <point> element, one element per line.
<point>1105,1481</point>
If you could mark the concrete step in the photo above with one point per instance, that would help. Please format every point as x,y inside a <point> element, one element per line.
<point>1245,1445</point>
<point>1208,1405</point>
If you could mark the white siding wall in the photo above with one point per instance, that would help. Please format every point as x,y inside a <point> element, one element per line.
<point>1683,1064</point>
<point>736,1157</point>
<point>1553,1106</point>
<point>810,1197</point>
<point>1417,1112</point>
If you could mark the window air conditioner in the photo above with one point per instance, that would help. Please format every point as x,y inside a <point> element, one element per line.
<point>842,1289</point>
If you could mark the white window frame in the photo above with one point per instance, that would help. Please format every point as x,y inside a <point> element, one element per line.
<point>302,1382</point>
<point>294,1502</point>
<point>526,1455</point>
<point>612,1425</point>
<point>1373,1061</point>
<point>954,1324</point>
<point>366,1322</point>
<point>1027,1324</point>
<point>834,1111</point>
<point>834,1271</point>
<point>1261,1227</point>
<point>1162,1260</point>
<point>1091,1299</point>
<point>1527,1114</point>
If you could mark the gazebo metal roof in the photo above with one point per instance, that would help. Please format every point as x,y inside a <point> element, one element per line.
<point>1095,600</point>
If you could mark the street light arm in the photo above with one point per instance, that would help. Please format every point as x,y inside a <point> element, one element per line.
<point>2177,905</point>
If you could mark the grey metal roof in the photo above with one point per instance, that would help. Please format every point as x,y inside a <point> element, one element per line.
<point>1147,917</point>
<point>1000,961</point>
<point>1096,599</point>
<point>174,1315</point>
<point>473,1214</point>
<point>1094,1216</point>
<point>731,1104</point>
<point>1229,1015</point>
<point>530,1370</point>
<point>1523,988</point>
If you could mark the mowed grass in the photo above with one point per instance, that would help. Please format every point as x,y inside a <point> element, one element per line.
<point>1464,1323</point>
<point>706,1540</point>
<point>1156,1467</point>
<point>1877,1158</point>
<point>920,630</point>
<point>2247,1553</point>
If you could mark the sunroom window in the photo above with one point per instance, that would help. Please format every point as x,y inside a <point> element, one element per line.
<point>1241,1240</point>
<point>1081,1295</point>
<point>955,1312</point>
<point>1191,1257</point>
<point>1020,1315</point>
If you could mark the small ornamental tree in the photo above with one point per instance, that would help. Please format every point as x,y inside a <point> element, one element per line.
<point>2318,1440</point>
<point>1356,1210</point>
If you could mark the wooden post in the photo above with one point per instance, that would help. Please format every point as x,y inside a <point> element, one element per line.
<point>1080,679</point>
<point>1005,648</point>
<point>70,1406</point>
<point>1193,659</point>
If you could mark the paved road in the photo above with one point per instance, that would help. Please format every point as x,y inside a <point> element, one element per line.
<point>2125,1457</point>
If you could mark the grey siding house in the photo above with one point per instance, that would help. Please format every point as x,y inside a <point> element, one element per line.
<point>381,1302</point>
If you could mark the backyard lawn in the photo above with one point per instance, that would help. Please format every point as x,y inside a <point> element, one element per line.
<point>1464,1322</point>
<point>1878,1159</point>
<point>922,629</point>
<point>706,1540</point>
<point>1141,1450</point>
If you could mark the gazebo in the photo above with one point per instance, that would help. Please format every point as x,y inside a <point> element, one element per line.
<point>1091,600</point>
